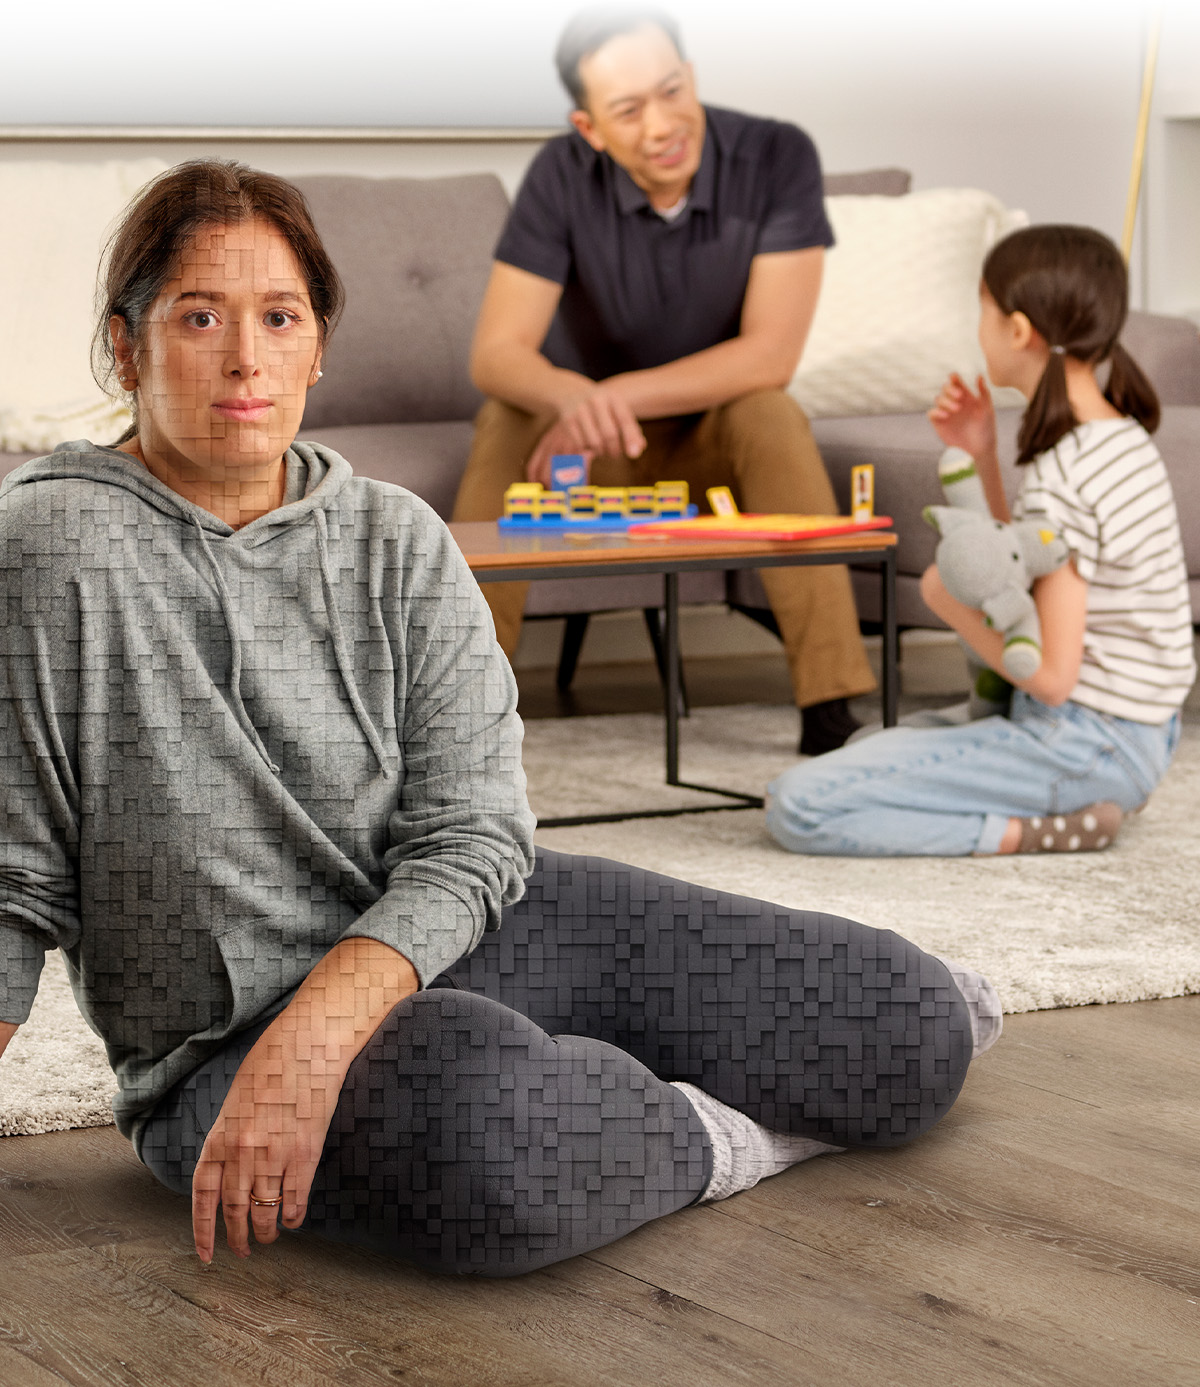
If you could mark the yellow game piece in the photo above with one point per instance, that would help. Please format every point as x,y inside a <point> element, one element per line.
<point>720,499</point>
<point>671,498</point>
<point>611,502</point>
<point>862,492</point>
<point>521,499</point>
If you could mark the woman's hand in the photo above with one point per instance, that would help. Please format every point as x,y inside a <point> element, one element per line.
<point>965,420</point>
<point>267,1140</point>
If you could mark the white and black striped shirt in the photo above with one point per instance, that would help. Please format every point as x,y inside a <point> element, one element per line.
<point>1105,488</point>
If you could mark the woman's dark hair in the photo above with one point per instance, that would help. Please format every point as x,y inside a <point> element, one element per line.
<point>591,29</point>
<point>143,253</point>
<point>1070,282</point>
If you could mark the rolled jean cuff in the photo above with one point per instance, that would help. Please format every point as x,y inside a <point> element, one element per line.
<point>991,835</point>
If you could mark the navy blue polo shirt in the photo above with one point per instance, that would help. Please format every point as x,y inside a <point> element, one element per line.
<point>638,290</point>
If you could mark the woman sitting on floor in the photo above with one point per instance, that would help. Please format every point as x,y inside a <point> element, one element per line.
<point>261,782</point>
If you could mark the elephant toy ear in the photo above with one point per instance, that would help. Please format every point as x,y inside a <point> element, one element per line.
<point>947,518</point>
<point>1045,549</point>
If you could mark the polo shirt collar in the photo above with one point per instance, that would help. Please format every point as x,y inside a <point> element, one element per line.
<point>700,195</point>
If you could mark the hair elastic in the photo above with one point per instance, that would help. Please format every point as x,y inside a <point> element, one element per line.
<point>1059,351</point>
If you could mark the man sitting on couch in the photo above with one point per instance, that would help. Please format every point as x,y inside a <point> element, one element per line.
<point>650,299</point>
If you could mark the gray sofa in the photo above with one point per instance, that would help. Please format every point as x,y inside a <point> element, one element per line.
<point>396,399</point>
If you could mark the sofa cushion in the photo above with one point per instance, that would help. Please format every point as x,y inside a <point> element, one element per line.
<point>414,254</point>
<point>424,458</point>
<point>868,183</point>
<point>1168,350</point>
<point>899,302</point>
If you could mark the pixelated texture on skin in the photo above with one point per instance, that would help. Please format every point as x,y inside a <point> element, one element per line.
<point>474,1137</point>
<point>181,833</point>
<point>466,1139</point>
<point>171,820</point>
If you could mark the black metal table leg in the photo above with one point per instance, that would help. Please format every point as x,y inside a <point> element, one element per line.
<point>670,570</point>
<point>891,639</point>
<point>671,693</point>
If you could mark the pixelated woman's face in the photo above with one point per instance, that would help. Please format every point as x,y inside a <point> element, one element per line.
<point>230,350</point>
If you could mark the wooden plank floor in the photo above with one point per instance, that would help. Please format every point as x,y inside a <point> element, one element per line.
<point>1047,1232</point>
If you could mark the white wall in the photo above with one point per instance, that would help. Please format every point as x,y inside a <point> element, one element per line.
<point>1035,100</point>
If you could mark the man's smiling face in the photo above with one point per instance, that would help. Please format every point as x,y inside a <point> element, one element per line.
<point>641,108</point>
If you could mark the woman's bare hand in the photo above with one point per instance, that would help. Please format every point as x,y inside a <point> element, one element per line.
<point>269,1135</point>
<point>964,419</point>
<point>266,1142</point>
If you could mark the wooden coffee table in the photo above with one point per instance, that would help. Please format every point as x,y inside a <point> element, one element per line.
<point>496,555</point>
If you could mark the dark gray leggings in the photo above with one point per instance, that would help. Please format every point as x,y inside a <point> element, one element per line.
<point>518,1111</point>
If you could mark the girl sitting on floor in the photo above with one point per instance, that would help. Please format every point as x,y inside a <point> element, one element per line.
<point>1090,735</point>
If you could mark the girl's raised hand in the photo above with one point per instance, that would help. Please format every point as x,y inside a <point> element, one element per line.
<point>965,420</point>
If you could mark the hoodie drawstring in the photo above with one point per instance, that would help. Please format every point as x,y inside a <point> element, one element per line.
<point>235,672</point>
<point>339,644</point>
<point>335,631</point>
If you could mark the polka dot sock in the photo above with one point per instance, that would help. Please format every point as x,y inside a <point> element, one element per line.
<point>1086,830</point>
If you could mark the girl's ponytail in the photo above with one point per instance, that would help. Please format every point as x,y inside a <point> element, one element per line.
<point>1049,415</point>
<point>1130,391</point>
<point>1071,283</point>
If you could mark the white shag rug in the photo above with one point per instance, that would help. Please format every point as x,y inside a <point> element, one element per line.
<point>1053,931</point>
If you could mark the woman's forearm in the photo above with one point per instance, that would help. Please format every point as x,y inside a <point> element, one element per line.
<point>341,1004</point>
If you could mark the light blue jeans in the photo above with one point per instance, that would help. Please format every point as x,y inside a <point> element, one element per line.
<point>950,791</point>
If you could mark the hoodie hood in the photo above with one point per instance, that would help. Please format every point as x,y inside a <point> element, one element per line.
<point>315,477</point>
<point>156,667</point>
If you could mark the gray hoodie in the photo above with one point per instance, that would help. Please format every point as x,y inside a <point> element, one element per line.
<point>221,751</point>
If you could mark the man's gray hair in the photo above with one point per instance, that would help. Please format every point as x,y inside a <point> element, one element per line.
<point>592,28</point>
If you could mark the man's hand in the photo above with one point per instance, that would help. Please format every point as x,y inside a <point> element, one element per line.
<point>965,420</point>
<point>597,420</point>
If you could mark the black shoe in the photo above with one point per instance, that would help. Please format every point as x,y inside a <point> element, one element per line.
<point>825,726</point>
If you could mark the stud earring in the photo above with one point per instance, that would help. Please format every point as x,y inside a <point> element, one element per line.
<point>320,374</point>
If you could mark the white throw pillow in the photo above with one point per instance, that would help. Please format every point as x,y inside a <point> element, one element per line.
<point>899,305</point>
<point>57,217</point>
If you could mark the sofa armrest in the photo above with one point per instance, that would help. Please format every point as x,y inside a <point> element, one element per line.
<point>1168,350</point>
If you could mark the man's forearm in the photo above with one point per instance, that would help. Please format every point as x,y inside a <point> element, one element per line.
<point>523,377</point>
<point>705,379</point>
<point>7,1030</point>
<point>692,383</point>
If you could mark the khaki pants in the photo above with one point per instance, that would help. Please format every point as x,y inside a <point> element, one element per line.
<point>761,447</point>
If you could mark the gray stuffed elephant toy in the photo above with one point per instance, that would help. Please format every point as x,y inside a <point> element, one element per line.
<point>990,565</point>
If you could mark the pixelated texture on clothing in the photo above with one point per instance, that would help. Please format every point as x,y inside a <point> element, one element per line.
<point>221,751</point>
<point>808,1023</point>
<point>504,1131</point>
<point>468,1140</point>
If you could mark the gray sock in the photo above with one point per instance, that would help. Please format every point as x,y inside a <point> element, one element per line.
<point>743,1151</point>
<point>983,1002</point>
